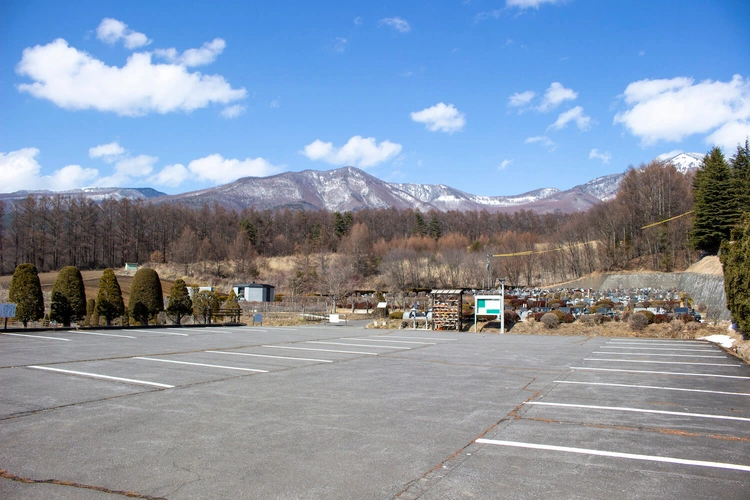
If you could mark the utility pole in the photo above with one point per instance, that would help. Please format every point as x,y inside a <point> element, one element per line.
<point>488,272</point>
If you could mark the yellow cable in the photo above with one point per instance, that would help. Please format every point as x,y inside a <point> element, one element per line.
<point>667,220</point>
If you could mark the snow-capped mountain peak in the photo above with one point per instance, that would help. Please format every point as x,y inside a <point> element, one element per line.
<point>683,162</point>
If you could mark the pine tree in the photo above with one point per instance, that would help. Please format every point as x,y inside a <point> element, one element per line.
<point>435,228</point>
<point>740,166</point>
<point>146,298</point>
<point>68,296</point>
<point>232,305</point>
<point>109,303</point>
<point>180,304</point>
<point>420,226</point>
<point>205,303</point>
<point>90,310</point>
<point>716,208</point>
<point>26,293</point>
<point>735,257</point>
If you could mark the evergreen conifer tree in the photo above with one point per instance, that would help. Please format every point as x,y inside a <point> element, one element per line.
<point>232,305</point>
<point>26,293</point>
<point>735,257</point>
<point>716,208</point>
<point>180,304</point>
<point>146,298</point>
<point>109,303</point>
<point>68,296</point>
<point>90,309</point>
<point>740,166</point>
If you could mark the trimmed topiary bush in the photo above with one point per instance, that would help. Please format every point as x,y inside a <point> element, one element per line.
<point>26,292</point>
<point>109,303</point>
<point>68,297</point>
<point>638,321</point>
<point>649,316</point>
<point>551,320</point>
<point>146,298</point>
<point>661,318</point>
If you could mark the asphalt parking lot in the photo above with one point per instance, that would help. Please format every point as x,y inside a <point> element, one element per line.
<point>345,412</point>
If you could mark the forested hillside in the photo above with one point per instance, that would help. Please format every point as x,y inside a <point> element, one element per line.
<point>395,248</point>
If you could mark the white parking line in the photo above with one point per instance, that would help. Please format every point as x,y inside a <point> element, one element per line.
<point>659,354</point>
<point>107,335</point>
<point>660,342</point>
<point>653,387</point>
<point>588,368</point>
<point>36,336</point>
<point>202,364</point>
<point>417,338</point>
<point>274,328</point>
<point>391,341</point>
<point>320,350</point>
<point>158,331</point>
<point>639,410</point>
<point>655,348</point>
<point>662,362</point>
<point>270,356</point>
<point>356,345</point>
<point>103,377</point>
<point>615,454</point>
<point>209,330</point>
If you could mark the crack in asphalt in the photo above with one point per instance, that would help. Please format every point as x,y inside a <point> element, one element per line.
<point>130,494</point>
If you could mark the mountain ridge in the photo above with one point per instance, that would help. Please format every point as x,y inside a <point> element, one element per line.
<point>351,189</point>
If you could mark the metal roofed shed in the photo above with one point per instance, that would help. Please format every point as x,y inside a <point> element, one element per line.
<point>252,292</point>
<point>446,309</point>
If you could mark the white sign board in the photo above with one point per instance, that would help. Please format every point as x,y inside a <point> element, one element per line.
<point>7,310</point>
<point>488,305</point>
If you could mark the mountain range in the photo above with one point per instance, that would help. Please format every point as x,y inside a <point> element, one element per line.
<point>351,189</point>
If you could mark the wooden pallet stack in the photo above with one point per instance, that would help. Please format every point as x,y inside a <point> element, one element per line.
<point>446,309</point>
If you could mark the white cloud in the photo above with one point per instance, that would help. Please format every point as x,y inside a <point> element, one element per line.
<point>276,103</point>
<point>543,140</point>
<point>730,135</point>
<point>494,14</point>
<point>440,117</point>
<point>642,53</point>
<point>111,31</point>
<point>194,57</point>
<point>529,4</point>
<point>233,111</point>
<point>75,80</point>
<point>504,164</point>
<point>521,98</point>
<point>358,21</point>
<point>670,110</point>
<point>171,175</point>
<point>574,115</point>
<point>671,154</point>
<point>605,157</point>
<point>21,171</point>
<point>108,152</point>
<point>339,44</point>
<point>398,23</point>
<point>555,95</point>
<point>215,168</point>
<point>71,177</point>
<point>358,152</point>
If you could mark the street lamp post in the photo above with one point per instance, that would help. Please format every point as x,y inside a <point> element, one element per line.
<point>502,305</point>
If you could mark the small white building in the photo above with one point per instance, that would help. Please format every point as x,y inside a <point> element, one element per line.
<point>253,292</point>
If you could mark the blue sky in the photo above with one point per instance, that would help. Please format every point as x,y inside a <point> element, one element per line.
<point>490,97</point>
